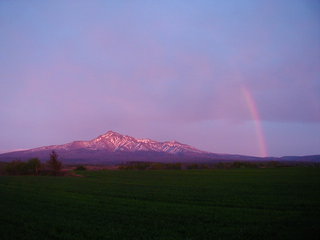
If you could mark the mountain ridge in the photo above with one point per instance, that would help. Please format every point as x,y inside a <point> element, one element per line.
<point>113,141</point>
<point>113,148</point>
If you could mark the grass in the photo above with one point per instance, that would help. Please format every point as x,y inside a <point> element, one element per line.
<point>279,203</point>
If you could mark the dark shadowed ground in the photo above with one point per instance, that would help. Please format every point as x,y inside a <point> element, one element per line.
<point>279,203</point>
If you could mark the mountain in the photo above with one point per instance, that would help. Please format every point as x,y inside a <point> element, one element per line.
<point>308,158</point>
<point>114,148</point>
<point>115,142</point>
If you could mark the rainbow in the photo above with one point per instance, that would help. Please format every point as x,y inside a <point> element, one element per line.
<point>252,106</point>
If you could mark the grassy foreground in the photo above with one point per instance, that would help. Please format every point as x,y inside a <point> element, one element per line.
<point>280,203</point>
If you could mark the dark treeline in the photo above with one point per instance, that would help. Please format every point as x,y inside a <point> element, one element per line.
<point>53,166</point>
<point>33,166</point>
<point>219,165</point>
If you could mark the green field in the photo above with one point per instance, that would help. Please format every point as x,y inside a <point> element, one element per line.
<point>279,203</point>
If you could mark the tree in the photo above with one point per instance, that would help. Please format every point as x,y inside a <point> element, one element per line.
<point>54,164</point>
<point>34,165</point>
<point>16,167</point>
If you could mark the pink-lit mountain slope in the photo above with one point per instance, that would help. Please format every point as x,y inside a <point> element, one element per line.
<point>113,147</point>
<point>115,142</point>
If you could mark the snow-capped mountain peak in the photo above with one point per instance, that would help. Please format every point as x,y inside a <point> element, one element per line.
<point>113,146</point>
<point>114,141</point>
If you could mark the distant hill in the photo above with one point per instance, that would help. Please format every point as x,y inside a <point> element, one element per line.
<point>309,158</point>
<point>113,147</point>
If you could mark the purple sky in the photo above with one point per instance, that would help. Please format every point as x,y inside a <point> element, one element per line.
<point>165,70</point>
